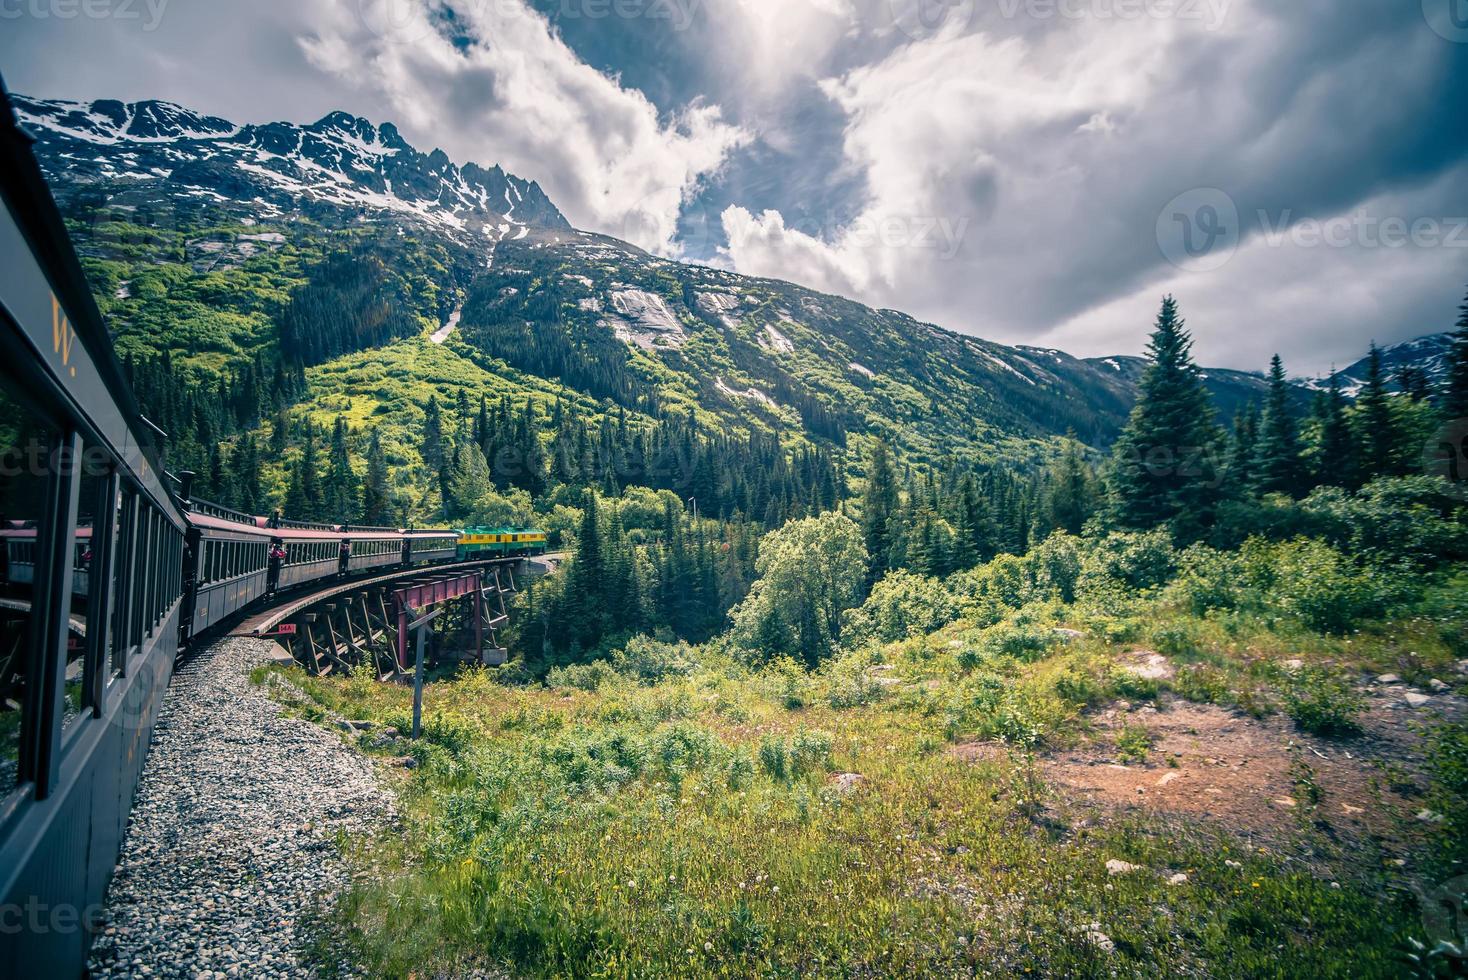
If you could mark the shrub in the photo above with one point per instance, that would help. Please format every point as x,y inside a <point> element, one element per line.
<point>585,677</point>
<point>774,758</point>
<point>901,606</point>
<point>650,660</point>
<point>1207,580</point>
<point>790,682</point>
<point>1322,702</point>
<point>1020,642</point>
<point>1055,567</point>
<point>1134,743</point>
<point>1322,588</point>
<point>1134,562</point>
<point>810,751</point>
<point>1078,688</point>
<point>849,685</point>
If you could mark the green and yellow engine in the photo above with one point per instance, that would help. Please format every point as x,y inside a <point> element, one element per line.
<point>500,542</point>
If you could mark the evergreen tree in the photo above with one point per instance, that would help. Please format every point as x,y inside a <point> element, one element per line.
<point>245,470</point>
<point>1070,497</point>
<point>1455,394</point>
<point>434,454</point>
<point>1335,463</point>
<point>1242,446</point>
<point>1164,467</point>
<point>878,509</point>
<point>280,434</point>
<point>1276,466</point>
<point>339,491</point>
<point>1376,424</point>
<point>303,494</point>
<point>376,504</point>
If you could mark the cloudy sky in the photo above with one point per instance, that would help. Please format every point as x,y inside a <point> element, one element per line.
<point>1031,171</point>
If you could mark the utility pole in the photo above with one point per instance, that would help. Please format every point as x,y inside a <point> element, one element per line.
<point>420,626</point>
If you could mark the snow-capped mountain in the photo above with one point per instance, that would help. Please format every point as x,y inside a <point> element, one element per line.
<point>341,161</point>
<point>1427,354</point>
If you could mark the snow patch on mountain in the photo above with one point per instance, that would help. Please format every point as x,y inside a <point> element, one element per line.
<point>340,160</point>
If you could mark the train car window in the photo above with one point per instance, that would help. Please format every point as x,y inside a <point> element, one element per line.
<point>25,442</point>
<point>89,596</point>
<point>122,562</point>
<point>143,597</point>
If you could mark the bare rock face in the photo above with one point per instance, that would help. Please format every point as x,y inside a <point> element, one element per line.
<point>644,319</point>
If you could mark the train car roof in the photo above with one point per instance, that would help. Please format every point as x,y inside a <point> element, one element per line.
<point>29,533</point>
<point>48,297</point>
<point>212,523</point>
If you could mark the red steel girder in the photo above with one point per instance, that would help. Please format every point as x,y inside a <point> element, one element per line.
<point>421,595</point>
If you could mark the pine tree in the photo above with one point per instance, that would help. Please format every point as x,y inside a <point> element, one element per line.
<point>1164,464</point>
<point>1276,466</point>
<point>376,505</point>
<point>1070,497</point>
<point>1242,446</point>
<point>878,509</point>
<point>1376,424</point>
<point>1455,394</point>
<point>245,470</point>
<point>433,444</point>
<point>306,505</point>
<point>1336,462</point>
<point>339,491</point>
<point>280,434</point>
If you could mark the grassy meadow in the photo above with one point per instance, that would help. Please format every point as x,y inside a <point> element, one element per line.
<point>911,806</point>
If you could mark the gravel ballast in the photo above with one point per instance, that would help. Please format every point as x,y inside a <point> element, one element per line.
<point>233,843</point>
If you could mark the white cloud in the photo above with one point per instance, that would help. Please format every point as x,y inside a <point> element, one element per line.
<point>1055,145</point>
<point>518,96</point>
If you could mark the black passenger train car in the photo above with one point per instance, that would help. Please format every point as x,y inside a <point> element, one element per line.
<point>90,585</point>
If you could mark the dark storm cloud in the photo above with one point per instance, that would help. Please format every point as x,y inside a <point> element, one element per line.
<point>1050,136</point>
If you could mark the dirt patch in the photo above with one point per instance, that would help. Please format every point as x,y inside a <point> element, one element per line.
<point>1258,776</point>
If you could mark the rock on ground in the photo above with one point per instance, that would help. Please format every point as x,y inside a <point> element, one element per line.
<point>232,847</point>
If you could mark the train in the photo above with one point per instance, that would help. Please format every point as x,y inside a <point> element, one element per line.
<point>109,570</point>
<point>232,560</point>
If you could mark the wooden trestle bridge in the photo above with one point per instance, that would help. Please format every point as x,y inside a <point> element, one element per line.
<point>348,624</point>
